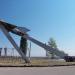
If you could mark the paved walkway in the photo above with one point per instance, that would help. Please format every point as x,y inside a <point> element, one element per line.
<point>64,70</point>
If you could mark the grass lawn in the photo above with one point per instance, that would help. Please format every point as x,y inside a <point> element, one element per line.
<point>34,62</point>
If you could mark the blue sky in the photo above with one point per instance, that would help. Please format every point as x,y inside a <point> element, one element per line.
<point>45,19</point>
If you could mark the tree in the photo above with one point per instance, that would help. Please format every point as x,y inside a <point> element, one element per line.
<point>52,44</point>
<point>23,45</point>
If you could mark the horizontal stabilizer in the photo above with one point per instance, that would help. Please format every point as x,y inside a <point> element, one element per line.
<point>23,29</point>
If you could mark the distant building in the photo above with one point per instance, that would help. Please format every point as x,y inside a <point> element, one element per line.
<point>5,51</point>
<point>0,51</point>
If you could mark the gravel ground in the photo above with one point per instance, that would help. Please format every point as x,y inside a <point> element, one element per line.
<point>63,70</point>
